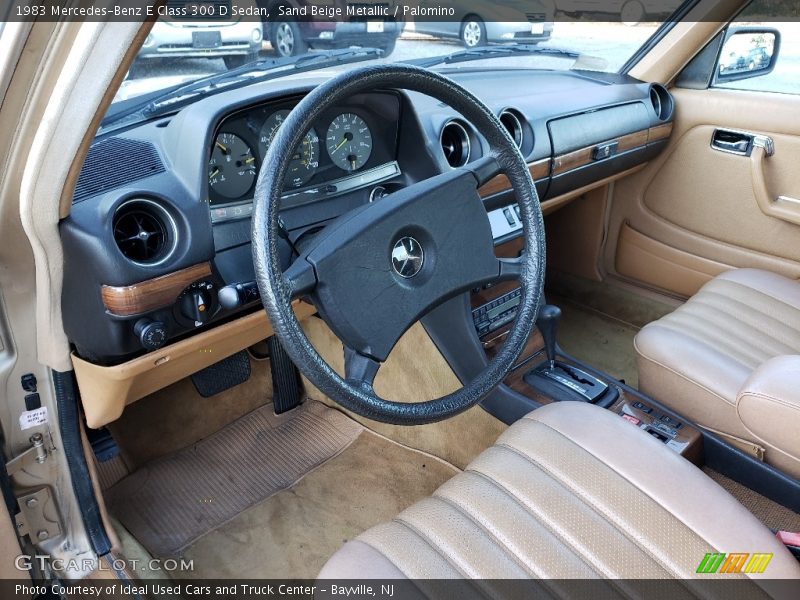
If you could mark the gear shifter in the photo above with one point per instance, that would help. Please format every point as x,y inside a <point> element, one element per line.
<point>547,323</point>
<point>559,380</point>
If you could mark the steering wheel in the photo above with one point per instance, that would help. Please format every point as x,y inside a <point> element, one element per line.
<point>378,269</point>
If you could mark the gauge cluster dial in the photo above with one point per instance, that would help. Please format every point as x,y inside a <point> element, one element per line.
<point>349,142</point>
<point>232,167</point>
<point>356,137</point>
<point>306,158</point>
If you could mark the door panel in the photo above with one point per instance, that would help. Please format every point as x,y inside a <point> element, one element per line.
<point>696,211</point>
<point>711,193</point>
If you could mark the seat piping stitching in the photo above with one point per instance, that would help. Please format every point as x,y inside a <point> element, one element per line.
<point>580,555</point>
<point>438,550</point>
<point>677,518</point>
<point>497,541</point>
<point>581,496</point>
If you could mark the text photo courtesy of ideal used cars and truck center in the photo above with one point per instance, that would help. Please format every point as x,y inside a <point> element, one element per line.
<point>385,299</point>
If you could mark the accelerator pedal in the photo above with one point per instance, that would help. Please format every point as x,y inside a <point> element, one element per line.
<point>285,378</point>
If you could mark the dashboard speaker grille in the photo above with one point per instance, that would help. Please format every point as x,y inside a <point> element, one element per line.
<point>115,162</point>
<point>141,231</point>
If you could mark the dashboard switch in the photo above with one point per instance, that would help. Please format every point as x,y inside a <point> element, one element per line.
<point>196,306</point>
<point>152,334</point>
<point>238,294</point>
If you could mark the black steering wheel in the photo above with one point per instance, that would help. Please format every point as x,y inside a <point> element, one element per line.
<point>378,269</point>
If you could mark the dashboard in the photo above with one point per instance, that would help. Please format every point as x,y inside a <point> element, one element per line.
<point>157,243</point>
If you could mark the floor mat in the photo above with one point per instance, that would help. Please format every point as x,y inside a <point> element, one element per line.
<point>598,340</point>
<point>772,514</point>
<point>174,500</point>
<point>293,533</point>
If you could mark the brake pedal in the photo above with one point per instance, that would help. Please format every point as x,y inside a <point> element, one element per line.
<point>223,375</point>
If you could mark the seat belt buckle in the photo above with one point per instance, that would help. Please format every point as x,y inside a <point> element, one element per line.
<point>791,540</point>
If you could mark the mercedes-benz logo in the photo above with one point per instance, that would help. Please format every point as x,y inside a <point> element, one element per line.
<point>407,257</point>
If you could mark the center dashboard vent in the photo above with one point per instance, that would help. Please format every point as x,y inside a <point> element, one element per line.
<point>455,144</point>
<point>114,162</point>
<point>513,125</point>
<point>144,232</point>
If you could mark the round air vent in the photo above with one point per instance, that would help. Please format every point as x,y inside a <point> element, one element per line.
<point>661,100</point>
<point>144,231</point>
<point>513,125</point>
<point>455,144</point>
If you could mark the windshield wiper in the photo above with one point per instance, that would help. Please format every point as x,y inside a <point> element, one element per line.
<point>493,52</point>
<point>257,71</point>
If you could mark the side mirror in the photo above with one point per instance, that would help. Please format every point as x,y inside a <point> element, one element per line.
<point>747,52</point>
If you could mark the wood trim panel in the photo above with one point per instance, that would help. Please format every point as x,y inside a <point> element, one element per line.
<point>637,139</point>
<point>572,160</point>
<point>151,294</point>
<point>660,132</point>
<point>583,156</point>
<point>539,170</point>
<point>580,158</point>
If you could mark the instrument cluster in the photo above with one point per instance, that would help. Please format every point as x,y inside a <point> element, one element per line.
<point>342,142</point>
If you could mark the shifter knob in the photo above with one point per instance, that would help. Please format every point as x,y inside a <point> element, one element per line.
<point>547,323</point>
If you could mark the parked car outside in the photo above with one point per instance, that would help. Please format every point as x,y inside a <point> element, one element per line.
<point>293,29</point>
<point>528,22</point>
<point>744,59</point>
<point>236,41</point>
<point>630,12</point>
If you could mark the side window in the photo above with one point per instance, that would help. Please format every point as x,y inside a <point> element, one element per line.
<point>760,53</point>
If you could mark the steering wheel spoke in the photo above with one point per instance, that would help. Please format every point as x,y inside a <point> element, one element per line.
<point>301,278</point>
<point>510,268</point>
<point>484,169</point>
<point>359,369</point>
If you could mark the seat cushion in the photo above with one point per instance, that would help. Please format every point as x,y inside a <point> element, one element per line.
<point>697,358</point>
<point>570,491</point>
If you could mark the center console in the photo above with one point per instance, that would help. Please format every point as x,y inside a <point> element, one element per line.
<point>544,374</point>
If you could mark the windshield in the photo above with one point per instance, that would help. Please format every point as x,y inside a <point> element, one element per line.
<point>179,50</point>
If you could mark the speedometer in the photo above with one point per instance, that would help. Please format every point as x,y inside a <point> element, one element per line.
<point>232,167</point>
<point>305,160</point>
<point>349,142</point>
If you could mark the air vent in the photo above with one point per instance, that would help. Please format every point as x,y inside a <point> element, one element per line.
<point>513,125</point>
<point>116,162</point>
<point>455,144</point>
<point>661,100</point>
<point>144,231</point>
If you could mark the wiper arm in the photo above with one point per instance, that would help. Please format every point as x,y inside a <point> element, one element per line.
<point>269,68</point>
<point>493,52</point>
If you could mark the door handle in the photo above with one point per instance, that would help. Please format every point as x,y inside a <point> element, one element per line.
<point>781,207</point>
<point>740,142</point>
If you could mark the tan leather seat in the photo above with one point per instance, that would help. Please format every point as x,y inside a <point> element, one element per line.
<point>705,358</point>
<point>570,491</point>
